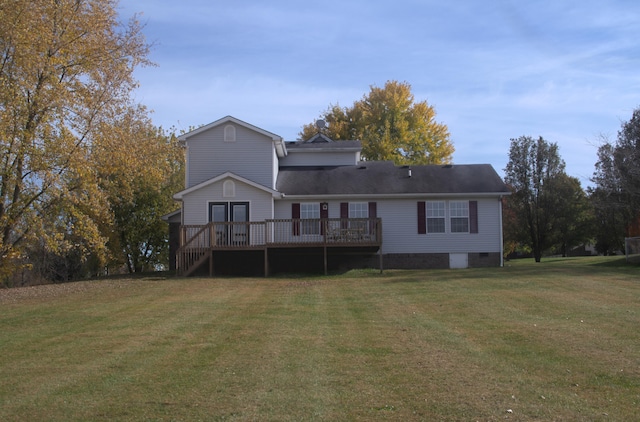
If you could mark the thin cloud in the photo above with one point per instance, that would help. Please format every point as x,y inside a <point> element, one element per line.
<point>494,71</point>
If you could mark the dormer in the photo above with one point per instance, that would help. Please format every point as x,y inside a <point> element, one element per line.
<point>232,145</point>
<point>320,150</point>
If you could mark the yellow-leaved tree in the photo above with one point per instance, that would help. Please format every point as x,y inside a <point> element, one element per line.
<point>66,72</point>
<point>140,167</point>
<point>391,126</point>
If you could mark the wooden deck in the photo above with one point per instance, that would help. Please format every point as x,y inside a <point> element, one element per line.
<point>198,242</point>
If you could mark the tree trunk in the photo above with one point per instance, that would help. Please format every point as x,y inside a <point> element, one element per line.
<point>537,254</point>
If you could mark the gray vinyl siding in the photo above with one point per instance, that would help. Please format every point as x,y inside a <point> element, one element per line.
<point>196,204</point>
<point>300,158</point>
<point>400,229</point>
<point>400,226</point>
<point>210,156</point>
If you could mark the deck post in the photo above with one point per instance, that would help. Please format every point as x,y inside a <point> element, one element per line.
<point>266,262</point>
<point>325,259</point>
<point>211,263</point>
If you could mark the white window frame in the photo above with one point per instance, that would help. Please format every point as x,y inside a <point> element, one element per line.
<point>359,210</point>
<point>434,213</point>
<point>459,214</point>
<point>309,211</point>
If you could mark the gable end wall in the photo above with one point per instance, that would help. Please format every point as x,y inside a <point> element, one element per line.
<point>196,204</point>
<point>209,156</point>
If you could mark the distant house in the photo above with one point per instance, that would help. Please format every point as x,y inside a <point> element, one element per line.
<point>254,203</point>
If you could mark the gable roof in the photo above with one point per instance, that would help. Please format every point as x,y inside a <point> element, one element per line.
<point>317,138</point>
<point>279,142</point>
<point>325,146</point>
<point>383,178</point>
<point>321,142</point>
<point>228,175</point>
<point>172,217</point>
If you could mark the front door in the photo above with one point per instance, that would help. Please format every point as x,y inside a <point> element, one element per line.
<point>230,212</point>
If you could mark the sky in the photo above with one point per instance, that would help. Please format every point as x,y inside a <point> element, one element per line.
<point>566,70</point>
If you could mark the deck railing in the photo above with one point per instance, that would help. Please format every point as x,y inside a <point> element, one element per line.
<point>198,241</point>
<point>282,233</point>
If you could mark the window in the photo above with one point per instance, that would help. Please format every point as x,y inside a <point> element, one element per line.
<point>229,133</point>
<point>228,189</point>
<point>310,211</point>
<point>459,211</point>
<point>435,217</point>
<point>358,210</point>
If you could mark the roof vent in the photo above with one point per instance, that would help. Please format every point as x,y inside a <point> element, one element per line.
<point>409,172</point>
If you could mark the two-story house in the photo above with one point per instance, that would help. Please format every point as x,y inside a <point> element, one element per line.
<point>256,203</point>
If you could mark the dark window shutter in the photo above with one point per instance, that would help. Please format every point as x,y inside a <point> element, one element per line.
<point>344,215</point>
<point>373,214</point>
<point>324,214</point>
<point>373,209</point>
<point>295,215</point>
<point>344,210</point>
<point>422,217</point>
<point>473,216</point>
<point>324,210</point>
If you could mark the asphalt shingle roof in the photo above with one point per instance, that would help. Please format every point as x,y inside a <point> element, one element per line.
<point>385,178</point>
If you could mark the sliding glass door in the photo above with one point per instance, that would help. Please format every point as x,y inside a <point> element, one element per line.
<point>230,212</point>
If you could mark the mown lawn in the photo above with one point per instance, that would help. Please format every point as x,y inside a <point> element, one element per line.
<point>552,341</point>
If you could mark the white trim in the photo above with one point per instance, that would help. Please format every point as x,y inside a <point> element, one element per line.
<point>178,196</point>
<point>443,217</point>
<point>305,223</point>
<point>365,208</point>
<point>451,217</point>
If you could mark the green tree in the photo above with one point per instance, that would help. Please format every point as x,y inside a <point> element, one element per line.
<point>532,167</point>
<point>574,214</point>
<point>626,155</point>
<point>609,221</point>
<point>391,126</point>
<point>66,67</point>
<point>616,195</point>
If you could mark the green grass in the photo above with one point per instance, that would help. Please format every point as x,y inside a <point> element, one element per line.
<point>551,341</point>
